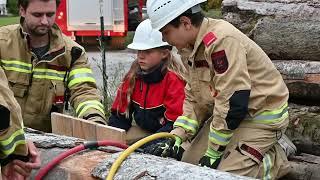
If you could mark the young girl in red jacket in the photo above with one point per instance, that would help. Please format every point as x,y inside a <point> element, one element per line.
<point>152,92</point>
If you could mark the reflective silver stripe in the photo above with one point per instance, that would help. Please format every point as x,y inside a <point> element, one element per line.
<point>88,104</point>
<point>49,74</point>
<point>19,66</point>
<point>7,147</point>
<point>267,167</point>
<point>80,75</point>
<point>272,116</point>
<point>219,138</point>
<point>187,123</point>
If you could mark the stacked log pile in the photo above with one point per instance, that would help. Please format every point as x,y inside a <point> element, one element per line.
<point>289,32</point>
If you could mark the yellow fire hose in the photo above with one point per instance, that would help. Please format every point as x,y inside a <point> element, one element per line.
<point>132,148</point>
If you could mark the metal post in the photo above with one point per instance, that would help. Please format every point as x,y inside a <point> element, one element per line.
<point>103,57</point>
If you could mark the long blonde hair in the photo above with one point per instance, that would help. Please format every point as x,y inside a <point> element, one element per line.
<point>171,63</point>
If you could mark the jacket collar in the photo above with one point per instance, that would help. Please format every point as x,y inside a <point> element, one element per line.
<point>57,43</point>
<point>202,32</point>
<point>154,76</point>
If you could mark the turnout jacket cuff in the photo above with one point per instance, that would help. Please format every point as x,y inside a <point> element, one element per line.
<point>180,132</point>
<point>93,112</point>
<point>96,118</point>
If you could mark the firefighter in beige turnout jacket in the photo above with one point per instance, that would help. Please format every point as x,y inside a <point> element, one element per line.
<point>236,107</point>
<point>40,76</point>
<point>12,140</point>
<point>13,144</point>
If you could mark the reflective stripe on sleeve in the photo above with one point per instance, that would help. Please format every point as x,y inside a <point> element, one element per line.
<point>220,138</point>
<point>9,145</point>
<point>84,106</point>
<point>187,124</point>
<point>80,75</point>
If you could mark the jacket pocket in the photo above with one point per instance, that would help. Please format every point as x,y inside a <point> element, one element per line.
<point>18,83</point>
<point>57,102</point>
<point>36,97</point>
<point>19,90</point>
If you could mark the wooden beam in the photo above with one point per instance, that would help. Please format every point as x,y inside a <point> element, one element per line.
<point>61,124</point>
<point>71,126</point>
<point>84,129</point>
<point>111,133</point>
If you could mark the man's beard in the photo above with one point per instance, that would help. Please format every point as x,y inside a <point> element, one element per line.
<point>39,33</point>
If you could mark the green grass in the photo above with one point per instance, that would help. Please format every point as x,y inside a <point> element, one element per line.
<point>213,13</point>
<point>8,20</point>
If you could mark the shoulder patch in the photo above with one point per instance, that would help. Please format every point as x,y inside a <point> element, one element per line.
<point>209,38</point>
<point>220,61</point>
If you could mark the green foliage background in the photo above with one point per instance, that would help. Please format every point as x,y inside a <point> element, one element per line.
<point>211,4</point>
<point>12,7</point>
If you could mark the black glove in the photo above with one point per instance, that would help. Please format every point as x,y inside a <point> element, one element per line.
<point>211,159</point>
<point>166,128</point>
<point>168,147</point>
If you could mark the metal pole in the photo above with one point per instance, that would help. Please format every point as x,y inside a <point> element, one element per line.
<point>103,56</point>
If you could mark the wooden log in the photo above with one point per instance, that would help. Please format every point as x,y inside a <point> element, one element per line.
<point>304,124</point>
<point>144,166</point>
<point>303,167</point>
<point>76,127</point>
<point>306,146</point>
<point>79,166</point>
<point>302,79</point>
<point>284,29</point>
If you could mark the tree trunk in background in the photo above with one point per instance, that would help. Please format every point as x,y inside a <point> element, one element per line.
<point>302,79</point>
<point>304,127</point>
<point>303,167</point>
<point>284,29</point>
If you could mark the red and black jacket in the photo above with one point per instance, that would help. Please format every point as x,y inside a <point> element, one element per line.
<point>155,96</point>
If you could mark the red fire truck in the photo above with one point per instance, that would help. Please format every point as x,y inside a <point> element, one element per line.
<point>80,19</point>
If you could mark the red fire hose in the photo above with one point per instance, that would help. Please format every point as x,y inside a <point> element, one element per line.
<point>89,145</point>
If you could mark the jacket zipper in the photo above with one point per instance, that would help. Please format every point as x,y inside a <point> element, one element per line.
<point>33,57</point>
<point>145,102</point>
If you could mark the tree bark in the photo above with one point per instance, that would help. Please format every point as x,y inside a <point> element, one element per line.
<point>303,167</point>
<point>307,147</point>
<point>141,166</point>
<point>304,126</point>
<point>144,166</point>
<point>284,29</point>
<point>302,79</point>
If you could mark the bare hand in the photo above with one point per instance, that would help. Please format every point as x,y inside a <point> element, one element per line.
<point>8,173</point>
<point>24,168</point>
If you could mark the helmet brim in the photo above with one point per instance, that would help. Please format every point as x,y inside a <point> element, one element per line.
<point>145,46</point>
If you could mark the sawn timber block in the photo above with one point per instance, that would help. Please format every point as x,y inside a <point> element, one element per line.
<point>71,126</point>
